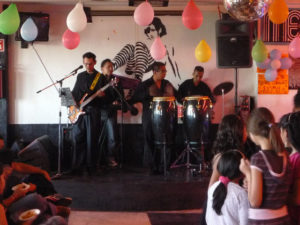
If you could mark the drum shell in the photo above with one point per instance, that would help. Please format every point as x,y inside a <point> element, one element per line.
<point>164,121</point>
<point>196,118</point>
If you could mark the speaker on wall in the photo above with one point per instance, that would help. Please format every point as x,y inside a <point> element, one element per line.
<point>234,43</point>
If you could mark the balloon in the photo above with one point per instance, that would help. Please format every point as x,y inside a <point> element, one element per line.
<point>191,16</point>
<point>246,10</point>
<point>158,50</point>
<point>271,75</point>
<point>9,20</point>
<point>264,65</point>
<point>275,54</point>
<point>259,51</point>
<point>294,47</point>
<point>275,64</point>
<point>286,63</point>
<point>202,51</point>
<point>76,20</point>
<point>143,14</point>
<point>70,39</point>
<point>29,30</point>
<point>278,11</point>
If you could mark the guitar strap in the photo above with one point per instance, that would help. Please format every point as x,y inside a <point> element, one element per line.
<point>95,81</point>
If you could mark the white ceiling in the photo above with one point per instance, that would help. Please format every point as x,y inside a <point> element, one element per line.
<point>123,4</point>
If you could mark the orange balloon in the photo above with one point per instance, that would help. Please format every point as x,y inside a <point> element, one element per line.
<point>278,11</point>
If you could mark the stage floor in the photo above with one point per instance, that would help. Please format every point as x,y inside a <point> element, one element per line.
<point>134,190</point>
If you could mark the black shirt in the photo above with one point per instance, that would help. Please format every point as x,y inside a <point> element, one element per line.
<point>148,89</point>
<point>188,88</point>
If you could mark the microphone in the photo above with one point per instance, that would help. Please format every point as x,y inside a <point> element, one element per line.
<point>133,110</point>
<point>78,68</point>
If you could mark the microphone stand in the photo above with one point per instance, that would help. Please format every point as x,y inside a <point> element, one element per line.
<point>59,173</point>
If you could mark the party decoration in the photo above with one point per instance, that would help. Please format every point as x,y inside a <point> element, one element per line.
<point>9,20</point>
<point>143,14</point>
<point>264,65</point>
<point>278,11</point>
<point>245,10</point>
<point>202,51</point>
<point>286,63</point>
<point>275,54</point>
<point>70,39</point>
<point>294,47</point>
<point>270,75</point>
<point>275,64</point>
<point>158,50</point>
<point>259,51</point>
<point>191,16</point>
<point>76,20</point>
<point>29,30</point>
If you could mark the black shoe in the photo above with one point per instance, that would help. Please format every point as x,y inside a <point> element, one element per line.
<point>58,199</point>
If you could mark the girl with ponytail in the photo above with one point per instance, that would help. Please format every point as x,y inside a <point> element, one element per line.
<point>227,202</point>
<point>268,174</point>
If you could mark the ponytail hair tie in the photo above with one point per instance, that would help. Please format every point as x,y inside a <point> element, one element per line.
<point>270,125</point>
<point>224,180</point>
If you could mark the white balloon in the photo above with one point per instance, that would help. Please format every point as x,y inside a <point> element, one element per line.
<point>76,20</point>
<point>29,30</point>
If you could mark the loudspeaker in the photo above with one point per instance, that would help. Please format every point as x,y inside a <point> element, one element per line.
<point>3,118</point>
<point>40,153</point>
<point>234,44</point>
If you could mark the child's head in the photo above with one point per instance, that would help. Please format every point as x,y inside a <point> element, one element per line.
<point>228,167</point>
<point>290,130</point>
<point>231,134</point>
<point>261,124</point>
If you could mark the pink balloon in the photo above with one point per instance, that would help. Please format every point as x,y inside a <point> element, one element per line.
<point>158,50</point>
<point>143,14</point>
<point>294,47</point>
<point>70,39</point>
<point>191,16</point>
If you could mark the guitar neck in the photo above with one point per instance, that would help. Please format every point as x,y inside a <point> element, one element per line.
<point>93,96</point>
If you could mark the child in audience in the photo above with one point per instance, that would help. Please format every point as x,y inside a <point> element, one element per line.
<point>290,134</point>
<point>268,175</point>
<point>227,201</point>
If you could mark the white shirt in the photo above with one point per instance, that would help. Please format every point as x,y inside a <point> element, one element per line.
<point>234,210</point>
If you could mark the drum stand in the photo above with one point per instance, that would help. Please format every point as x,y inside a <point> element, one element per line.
<point>186,153</point>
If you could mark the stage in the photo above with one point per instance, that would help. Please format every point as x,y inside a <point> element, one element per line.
<point>178,195</point>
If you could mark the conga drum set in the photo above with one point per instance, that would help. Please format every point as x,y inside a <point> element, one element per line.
<point>197,112</point>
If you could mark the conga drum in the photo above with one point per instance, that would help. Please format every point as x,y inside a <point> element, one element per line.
<point>196,118</point>
<point>164,119</point>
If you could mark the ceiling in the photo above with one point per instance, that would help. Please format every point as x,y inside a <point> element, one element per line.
<point>124,4</point>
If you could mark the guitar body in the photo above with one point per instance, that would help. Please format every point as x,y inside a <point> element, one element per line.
<point>74,113</point>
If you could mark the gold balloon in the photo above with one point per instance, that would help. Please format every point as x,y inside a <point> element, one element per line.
<point>202,51</point>
<point>278,12</point>
<point>247,10</point>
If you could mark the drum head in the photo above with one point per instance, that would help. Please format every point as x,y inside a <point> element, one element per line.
<point>167,99</point>
<point>196,97</point>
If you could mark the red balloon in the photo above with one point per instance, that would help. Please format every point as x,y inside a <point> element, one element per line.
<point>70,39</point>
<point>191,16</point>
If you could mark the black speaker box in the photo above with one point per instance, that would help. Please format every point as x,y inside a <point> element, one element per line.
<point>40,153</point>
<point>3,118</point>
<point>234,43</point>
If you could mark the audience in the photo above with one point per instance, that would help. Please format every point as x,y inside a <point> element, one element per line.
<point>227,201</point>
<point>290,134</point>
<point>268,175</point>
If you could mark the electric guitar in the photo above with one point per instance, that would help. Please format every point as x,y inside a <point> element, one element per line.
<point>75,112</point>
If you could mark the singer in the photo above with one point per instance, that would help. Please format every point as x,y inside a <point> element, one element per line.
<point>87,129</point>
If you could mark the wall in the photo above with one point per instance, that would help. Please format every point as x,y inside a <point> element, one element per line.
<point>105,37</point>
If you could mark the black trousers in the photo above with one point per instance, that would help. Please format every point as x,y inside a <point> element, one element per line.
<point>85,135</point>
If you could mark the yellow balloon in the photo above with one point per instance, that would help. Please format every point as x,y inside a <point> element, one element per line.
<point>278,11</point>
<point>202,51</point>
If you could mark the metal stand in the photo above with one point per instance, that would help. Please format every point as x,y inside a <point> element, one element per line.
<point>186,153</point>
<point>236,107</point>
<point>65,101</point>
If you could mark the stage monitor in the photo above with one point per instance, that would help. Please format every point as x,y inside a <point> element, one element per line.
<point>42,22</point>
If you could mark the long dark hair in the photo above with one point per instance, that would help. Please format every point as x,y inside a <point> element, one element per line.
<point>229,135</point>
<point>159,27</point>
<point>228,166</point>
<point>291,123</point>
<point>262,123</point>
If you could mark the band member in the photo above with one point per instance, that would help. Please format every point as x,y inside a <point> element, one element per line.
<point>192,87</point>
<point>87,128</point>
<point>110,103</point>
<point>156,86</point>
<point>195,86</point>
